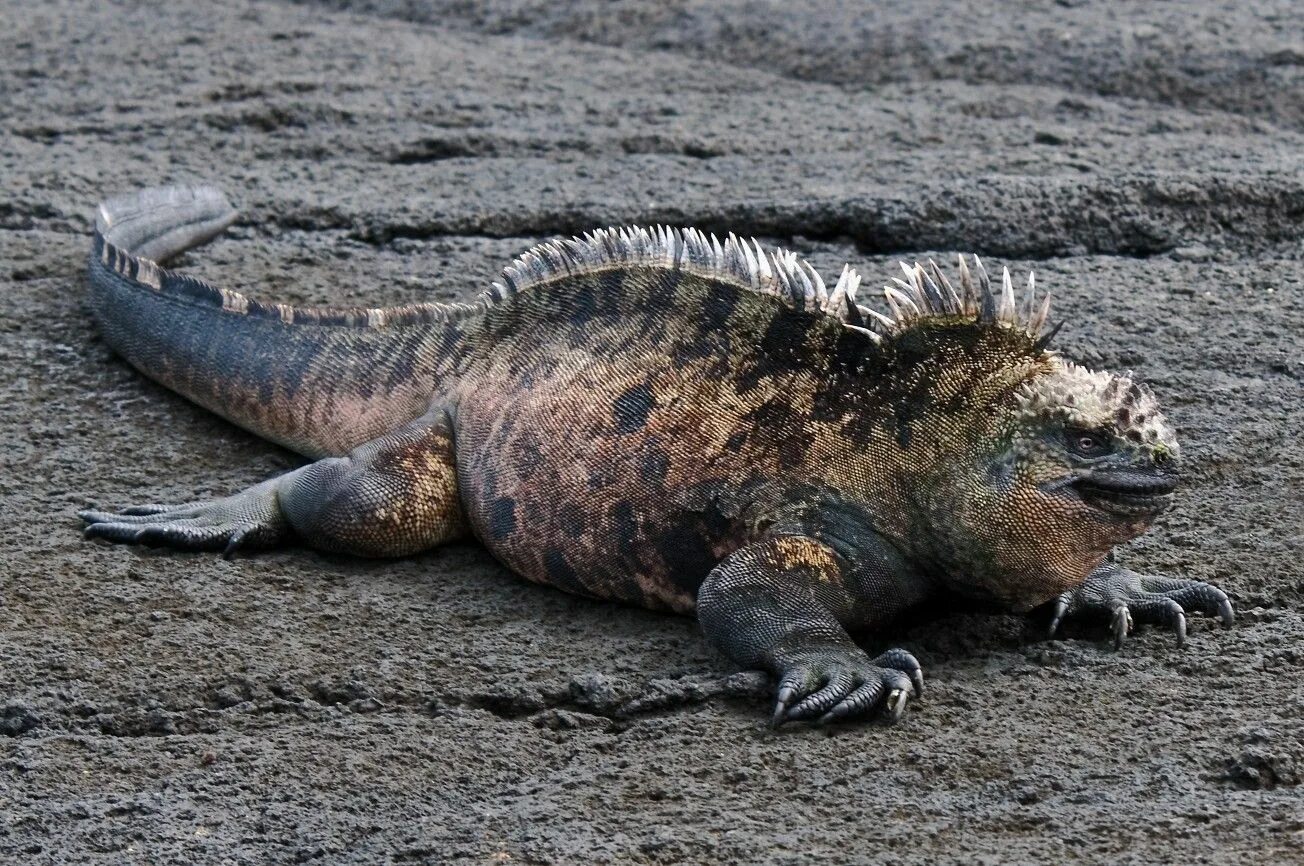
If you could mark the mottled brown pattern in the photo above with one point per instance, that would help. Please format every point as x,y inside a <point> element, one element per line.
<point>391,497</point>
<point>620,425</point>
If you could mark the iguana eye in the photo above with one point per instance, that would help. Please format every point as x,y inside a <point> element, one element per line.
<point>1087,443</point>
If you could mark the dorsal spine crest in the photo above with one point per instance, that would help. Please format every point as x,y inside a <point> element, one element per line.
<point>924,293</point>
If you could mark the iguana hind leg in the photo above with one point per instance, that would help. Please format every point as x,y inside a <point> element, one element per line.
<point>389,497</point>
<point>784,604</point>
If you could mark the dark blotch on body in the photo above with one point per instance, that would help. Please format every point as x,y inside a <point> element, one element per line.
<point>654,466</point>
<point>631,409</point>
<point>561,575</point>
<point>571,519</point>
<point>904,433</point>
<point>685,552</point>
<point>783,428</point>
<point>626,526</point>
<point>502,518</point>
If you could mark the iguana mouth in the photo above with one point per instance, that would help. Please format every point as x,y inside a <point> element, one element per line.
<point>1126,492</point>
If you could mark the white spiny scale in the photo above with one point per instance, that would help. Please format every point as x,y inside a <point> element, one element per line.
<point>915,293</point>
<point>810,295</point>
<point>925,291</point>
<point>753,264</point>
<point>665,245</point>
<point>732,262</point>
<point>877,338</point>
<point>850,280</point>
<point>763,263</point>
<point>921,294</point>
<point>704,251</point>
<point>1005,311</point>
<point>744,254</point>
<point>776,273</point>
<point>966,288</point>
<point>691,243</point>
<point>877,316</point>
<point>817,283</point>
<point>1030,299</point>
<point>906,293</point>
<point>905,309</point>
<point>1039,320</point>
<point>803,291</point>
<point>889,296</point>
<point>931,292</point>
<point>843,297</point>
<point>719,255</point>
<point>984,281</point>
<point>786,260</point>
<point>956,304</point>
<point>836,305</point>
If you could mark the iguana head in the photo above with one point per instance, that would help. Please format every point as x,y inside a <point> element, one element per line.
<point>1094,444</point>
<point>1051,464</point>
<point>1085,462</point>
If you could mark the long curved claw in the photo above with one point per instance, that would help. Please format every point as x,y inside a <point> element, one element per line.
<point>1061,608</point>
<point>786,695</point>
<point>855,703</point>
<point>234,543</point>
<point>1226,613</point>
<point>1120,624</point>
<point>837,687</point>
<point>896,705</point>
<point>1176,617</point>
<point>1179,621</point>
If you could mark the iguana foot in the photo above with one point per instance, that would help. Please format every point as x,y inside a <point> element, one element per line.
<point>1126,597</point>
<point>251,518</point>
<point>835,683</point>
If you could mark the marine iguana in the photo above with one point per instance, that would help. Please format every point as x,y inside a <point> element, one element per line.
<point>662,418</point>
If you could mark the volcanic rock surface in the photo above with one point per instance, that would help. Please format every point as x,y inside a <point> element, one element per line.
<point>293,706</point>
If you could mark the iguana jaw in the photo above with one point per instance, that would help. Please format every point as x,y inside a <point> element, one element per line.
<point>1127,493</point>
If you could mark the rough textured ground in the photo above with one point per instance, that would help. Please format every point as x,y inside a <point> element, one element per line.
<point>294,706</point>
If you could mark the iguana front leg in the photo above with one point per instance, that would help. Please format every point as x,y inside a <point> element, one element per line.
<point>1125,597</point>
<point>784,604</point>
<point>389,497</point>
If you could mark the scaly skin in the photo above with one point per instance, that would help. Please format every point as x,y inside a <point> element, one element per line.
<point>668,431</point>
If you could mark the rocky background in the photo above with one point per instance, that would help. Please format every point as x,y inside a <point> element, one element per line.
<point>1147,160</point>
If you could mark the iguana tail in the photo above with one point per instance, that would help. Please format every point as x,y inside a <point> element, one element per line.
<point>316,380</point>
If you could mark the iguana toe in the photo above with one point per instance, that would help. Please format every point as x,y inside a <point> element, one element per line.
<point>251,517</point>
<point>1193,595</point>
<point>904,661</point>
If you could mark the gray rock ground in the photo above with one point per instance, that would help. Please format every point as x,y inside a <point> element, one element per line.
<point>292,706</point>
